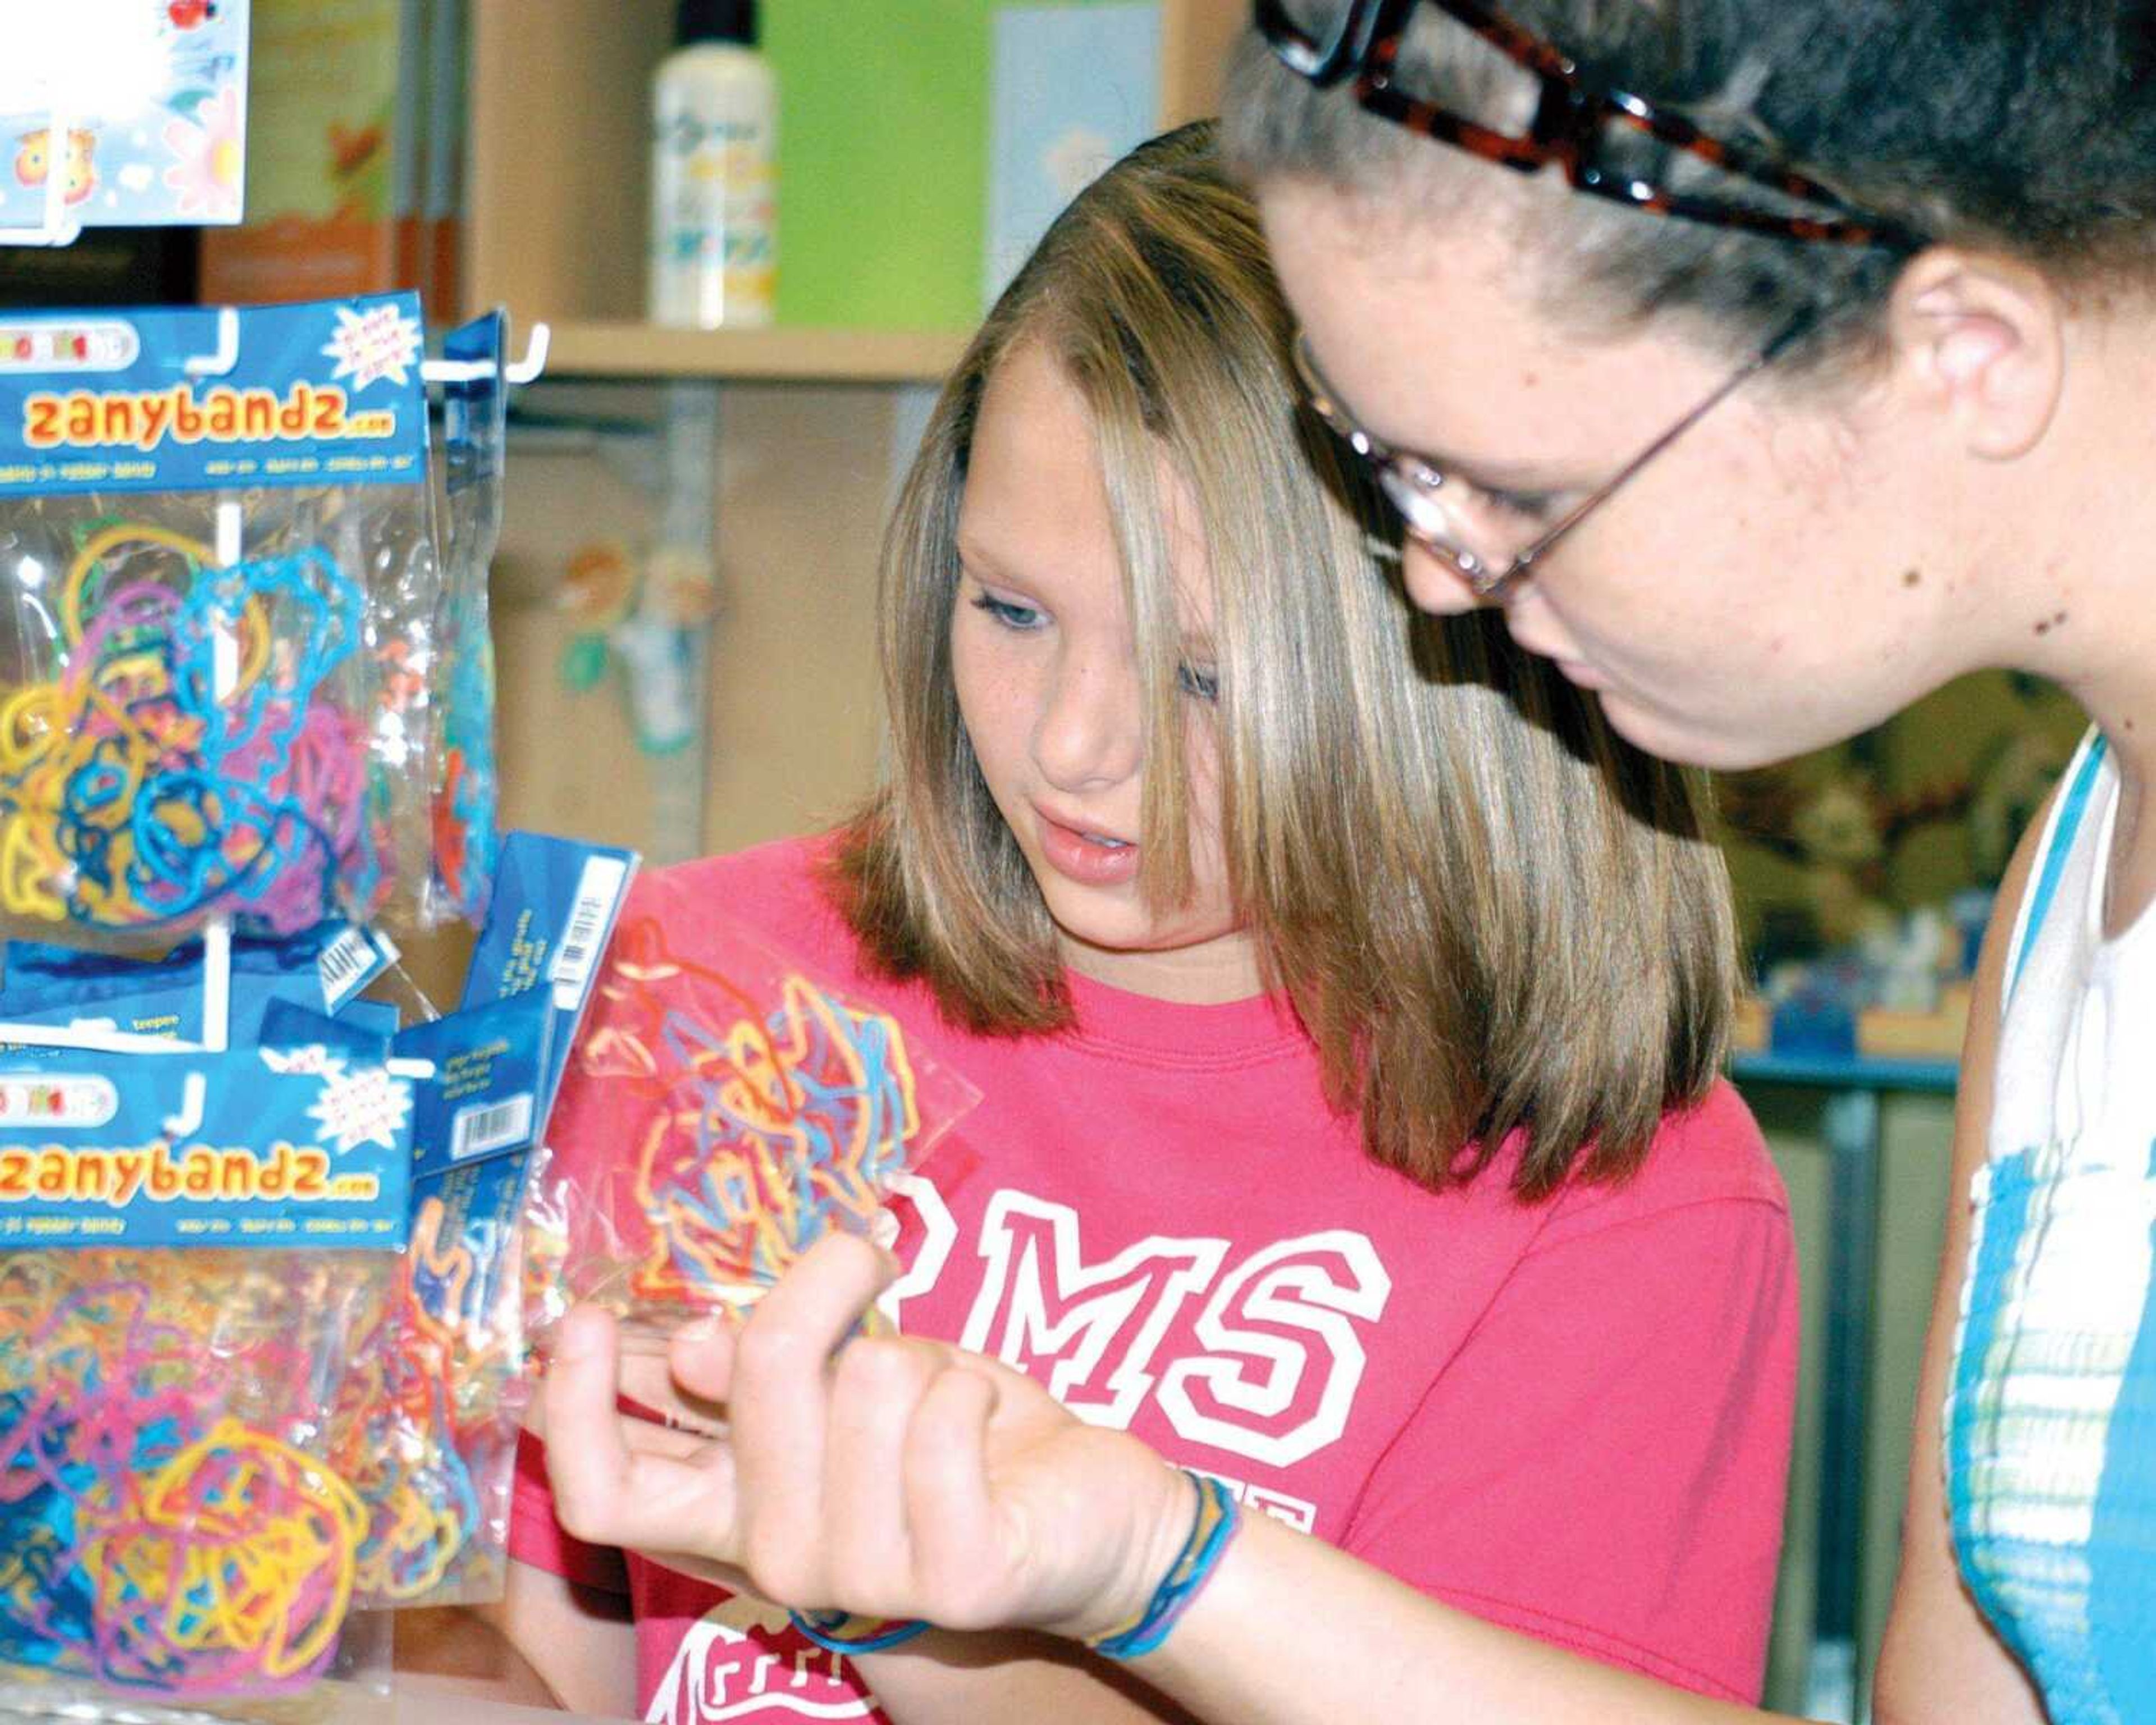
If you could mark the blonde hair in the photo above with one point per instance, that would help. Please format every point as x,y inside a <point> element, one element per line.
<point>1489,912</point>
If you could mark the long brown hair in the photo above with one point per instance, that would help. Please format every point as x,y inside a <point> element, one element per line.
<point>1489,912</point>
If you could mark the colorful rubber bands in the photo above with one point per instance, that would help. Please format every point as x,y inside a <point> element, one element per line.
<point>169,1521</point>
<point>139,787</point>
<point>466,804</point>
<point>420,1503</point>
<point>431,1413</point>
<point>722,1114</point>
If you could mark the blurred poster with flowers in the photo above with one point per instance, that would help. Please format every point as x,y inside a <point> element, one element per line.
<point>1865,873</point>
<point>353,101</point>
<point>1071,88</point>
<point>137,107</point>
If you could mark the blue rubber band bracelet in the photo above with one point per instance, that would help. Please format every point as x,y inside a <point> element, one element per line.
<point>824,1628</point>
<point>1210,1530</point>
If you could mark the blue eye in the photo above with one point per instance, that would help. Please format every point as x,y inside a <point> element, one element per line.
<point>1010,616</point>
<point>1198,685</point>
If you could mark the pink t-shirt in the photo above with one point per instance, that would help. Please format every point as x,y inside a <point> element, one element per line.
<point>1573,1419</point>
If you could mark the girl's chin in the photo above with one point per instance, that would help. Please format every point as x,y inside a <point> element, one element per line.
<point>1188,965</point>
<point>1109,938</point>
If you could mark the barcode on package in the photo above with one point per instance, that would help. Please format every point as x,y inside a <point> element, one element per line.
<point>490,1126</point>
<point>598,890</point>
<point>347,964</point>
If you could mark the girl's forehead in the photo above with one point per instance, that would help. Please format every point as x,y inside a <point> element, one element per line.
<point>1039,484</point>
<point>1034,471</point>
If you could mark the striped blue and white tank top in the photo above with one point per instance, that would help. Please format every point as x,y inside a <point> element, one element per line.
<point>2050,1417</point>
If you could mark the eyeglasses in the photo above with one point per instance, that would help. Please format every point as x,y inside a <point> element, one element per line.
<point>1485,536</point>
<point>1578,125</point>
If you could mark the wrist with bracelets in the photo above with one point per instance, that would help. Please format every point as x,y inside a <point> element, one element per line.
<point>1210,1530</point>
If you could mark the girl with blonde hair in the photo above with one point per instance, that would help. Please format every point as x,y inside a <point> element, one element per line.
<point>1346,1002</point>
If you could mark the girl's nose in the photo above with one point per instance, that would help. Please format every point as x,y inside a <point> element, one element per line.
<point>1091,733</point>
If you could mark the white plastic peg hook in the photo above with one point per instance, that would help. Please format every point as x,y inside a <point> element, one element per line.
<point>194,1094</point>
<point>230,547</point>
<point>216,935</point>
<point>60,226</point>
<point>226,355</point>
<point>534,363</point>
<point>527,370</point>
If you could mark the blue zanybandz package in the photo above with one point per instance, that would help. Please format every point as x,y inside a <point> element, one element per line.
<point>494,1065</point>
<point>200,1305</point>
<point>261,1146</point>
<point>467,793</point>
<point>218,594</point>
<point>324,968</point>
<point>329,391</point>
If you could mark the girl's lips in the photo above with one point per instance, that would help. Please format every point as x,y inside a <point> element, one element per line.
<point>1084,859</point>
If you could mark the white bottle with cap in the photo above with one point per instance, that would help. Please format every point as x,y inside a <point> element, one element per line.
<point>714,174</point>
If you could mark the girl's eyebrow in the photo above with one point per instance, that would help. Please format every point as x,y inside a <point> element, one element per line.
<point>978,559</point>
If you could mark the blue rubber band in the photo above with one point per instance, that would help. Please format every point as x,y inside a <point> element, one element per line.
<point>821,1628</point>
<point>1216,1523</point>
<point>321,615</point>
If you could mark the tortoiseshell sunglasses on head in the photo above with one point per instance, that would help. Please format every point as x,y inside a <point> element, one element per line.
<point>1571,124</point>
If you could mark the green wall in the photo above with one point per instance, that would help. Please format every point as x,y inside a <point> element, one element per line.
<point>883,160</point>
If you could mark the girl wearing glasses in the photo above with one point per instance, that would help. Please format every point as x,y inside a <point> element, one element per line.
<point>1766,364</point>
<point>1340,1144</point>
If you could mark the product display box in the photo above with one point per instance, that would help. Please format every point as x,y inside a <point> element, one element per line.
<point>139,107</point>
<point>357,118</point>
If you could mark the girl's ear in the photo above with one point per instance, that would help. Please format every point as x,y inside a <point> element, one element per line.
<point>1979,342</point>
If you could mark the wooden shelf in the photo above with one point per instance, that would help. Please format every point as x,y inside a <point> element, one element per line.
<point>637,351</point>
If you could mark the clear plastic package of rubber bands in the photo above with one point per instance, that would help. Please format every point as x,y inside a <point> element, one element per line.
<point>451,1399</point>
<point>199,1269</point>
<point>723,1110</point>
<point>217,587</point>
<point>449,1410</point>
<point>466,788</point>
